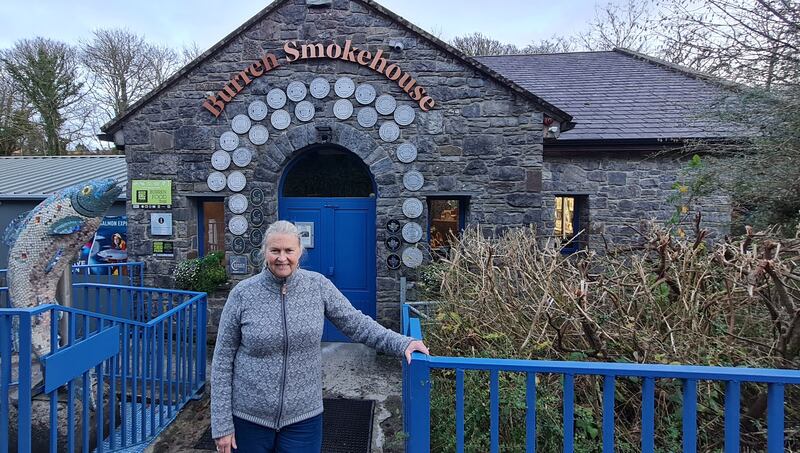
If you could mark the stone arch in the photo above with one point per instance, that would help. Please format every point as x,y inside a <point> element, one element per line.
<point>282,148</point>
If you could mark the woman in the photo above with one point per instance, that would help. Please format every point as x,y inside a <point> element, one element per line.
<point>266,375</point>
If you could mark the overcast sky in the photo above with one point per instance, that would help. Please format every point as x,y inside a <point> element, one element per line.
<point>179,22</point>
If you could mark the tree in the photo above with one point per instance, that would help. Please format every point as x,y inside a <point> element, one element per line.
<point>117,61</point>
<point>755,42</point>
<point>15,118</point>
<point>163,61</point>
<point>124,67</point>
<point>628,26</point>
<point>46,73</point>
<point>478,44</point>
<point>556,44</point>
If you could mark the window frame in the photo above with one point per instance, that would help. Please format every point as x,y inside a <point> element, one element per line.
<point>201,223</point>
<point>463,206</point>
<point>579,204</point>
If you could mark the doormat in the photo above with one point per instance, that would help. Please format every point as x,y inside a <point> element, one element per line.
<point>346,427</point>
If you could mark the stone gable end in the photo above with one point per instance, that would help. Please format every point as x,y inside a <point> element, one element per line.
<point>481,139</point>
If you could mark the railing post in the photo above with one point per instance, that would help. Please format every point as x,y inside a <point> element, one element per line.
<point>419,394</point>
<point>24,386</point>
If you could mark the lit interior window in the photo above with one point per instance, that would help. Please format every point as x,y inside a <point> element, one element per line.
<point>565,218</point>
<point>445,221</point>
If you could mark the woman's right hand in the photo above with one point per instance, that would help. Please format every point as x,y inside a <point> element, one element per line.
<point>226,444</point>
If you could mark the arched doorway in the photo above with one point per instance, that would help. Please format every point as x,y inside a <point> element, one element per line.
<point>329,192</point>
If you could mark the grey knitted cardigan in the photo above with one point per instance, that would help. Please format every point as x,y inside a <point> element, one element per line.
<point>267,366</point>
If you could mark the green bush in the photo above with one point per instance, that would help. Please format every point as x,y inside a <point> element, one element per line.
<point>204,274</point>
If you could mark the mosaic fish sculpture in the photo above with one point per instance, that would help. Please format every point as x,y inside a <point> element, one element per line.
<point>43,243</point>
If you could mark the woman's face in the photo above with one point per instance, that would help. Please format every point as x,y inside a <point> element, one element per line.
<point>283,254</point>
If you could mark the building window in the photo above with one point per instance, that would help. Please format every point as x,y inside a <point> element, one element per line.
<point>211,227</point>
<point>570,210</point>
<point>446,218</point>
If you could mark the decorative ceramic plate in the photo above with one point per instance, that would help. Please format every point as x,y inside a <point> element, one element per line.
<point>406,153</point>
<point>240,123</point>
<point>228,141</point>
<point>385,104</point>
<point>367,117</point>
<point>404,115</point>
<point>393,243</point>
<point>393,226</point>
<point>256,236</point>
<point>238,245</point>
<point>320,88</point>
<point>412,257</point>
<point>344,87</point>
<point>237,203</point>
<point>280,119</point>
<point>237,225</point>
<point>343,109</point>
<point>258,134</point>
<point>412,232</point>
<point>393,262</point>
<point>256,259</point>
<point>365,94</point>
<point>413,180</point>
<point>216,181</point>
<point>276,98</point>
<point>304,111</point>
<point>389,131</point>
<point>412,208</point>
<point>242,157</point>
<point>257,110</point>
<point>236,181</point>
<point>256,217</point>
<point>220,160</point>
<point>257,197</point>
<point>296,91</point>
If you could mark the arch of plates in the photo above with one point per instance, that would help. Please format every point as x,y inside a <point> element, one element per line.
<point>362,100</point>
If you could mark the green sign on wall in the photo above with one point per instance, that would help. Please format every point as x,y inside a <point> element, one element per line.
<point>151,193</point>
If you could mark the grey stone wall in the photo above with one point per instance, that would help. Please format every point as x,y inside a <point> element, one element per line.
<point>481,138</point>
<point>622,188</point>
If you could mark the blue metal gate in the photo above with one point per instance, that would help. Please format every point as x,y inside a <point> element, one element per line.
<point>343,247</point>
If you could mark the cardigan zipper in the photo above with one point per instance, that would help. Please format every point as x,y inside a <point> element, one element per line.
<point>285,354</point>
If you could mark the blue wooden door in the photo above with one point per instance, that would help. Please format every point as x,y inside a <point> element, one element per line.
<point>343,249</point>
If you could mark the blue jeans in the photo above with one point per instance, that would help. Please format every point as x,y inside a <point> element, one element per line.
<point>300,437</point>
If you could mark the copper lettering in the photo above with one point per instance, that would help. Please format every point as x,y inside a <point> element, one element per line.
<point>378,61</point>
<point>363,57</point>
<point>255,69</point>
<point>312,51</point>
<point>349,52</point>
<point>418,93</point>
<point>292,54</point>
<point>426,103</point>
<point>334,51</point>
<point>406,83</point>
<point>393,72</point>
<point>214,105</point>
<point>270,62</point>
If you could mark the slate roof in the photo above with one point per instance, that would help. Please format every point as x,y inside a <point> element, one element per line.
<point>37,177</point>
<point>621,95</point>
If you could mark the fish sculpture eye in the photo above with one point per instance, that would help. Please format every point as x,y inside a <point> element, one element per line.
<point>86,190</point>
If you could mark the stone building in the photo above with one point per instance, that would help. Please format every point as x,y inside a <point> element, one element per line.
<point>379,140</point>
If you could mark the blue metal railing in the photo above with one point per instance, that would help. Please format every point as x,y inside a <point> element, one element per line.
<point>127,274</point>
<point>145,347</point>
<point>417,396</point>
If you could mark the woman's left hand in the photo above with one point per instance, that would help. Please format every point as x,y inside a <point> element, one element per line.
<point>416,345</point>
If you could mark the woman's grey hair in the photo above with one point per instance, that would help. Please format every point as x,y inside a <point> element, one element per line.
<point>280,227</point>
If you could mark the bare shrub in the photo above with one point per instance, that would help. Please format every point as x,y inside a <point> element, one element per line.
<point>668,300</point>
